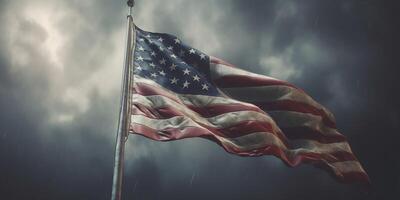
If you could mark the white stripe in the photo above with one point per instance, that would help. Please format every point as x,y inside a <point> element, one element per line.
<point>316,147</point>
<point>220,121</point>
<point>348,166</point>
<point>288,119</point>
<point>253,141</point>
<point>220,70</point>
<point>178,122</point>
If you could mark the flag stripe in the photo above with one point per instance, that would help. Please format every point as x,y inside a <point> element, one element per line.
<point>308,133</point>
<point>289,119</point>
<point>269,93</point>
<point>289,105</point>
<point>215,61</point>
<point>348,171</point>
<point>347,166</point>
<point>245,81</point>
<point>228,76</point>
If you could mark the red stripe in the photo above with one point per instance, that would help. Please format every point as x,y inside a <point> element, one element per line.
<point>214,60</point>
<point>215,110</point>
<point>346,177</point>
<point>351,177</point>
<point>289,105</point>
<point>231,81</point>
<point>342,156</point>
<point>148,90</point>
<point>169,133</point>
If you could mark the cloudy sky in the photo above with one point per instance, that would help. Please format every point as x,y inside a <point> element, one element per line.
<point>60,76</point>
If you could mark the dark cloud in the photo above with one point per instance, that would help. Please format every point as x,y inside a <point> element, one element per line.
<point>60,65</point>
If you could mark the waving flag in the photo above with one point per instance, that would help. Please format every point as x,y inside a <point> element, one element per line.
<point>180,92</point>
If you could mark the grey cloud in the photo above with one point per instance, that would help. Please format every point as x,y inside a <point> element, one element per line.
<point>58,123</point>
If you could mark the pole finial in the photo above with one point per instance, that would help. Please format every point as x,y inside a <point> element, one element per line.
<point>131,3</point>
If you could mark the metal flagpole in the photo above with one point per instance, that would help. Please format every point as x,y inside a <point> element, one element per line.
<point>124,118</point>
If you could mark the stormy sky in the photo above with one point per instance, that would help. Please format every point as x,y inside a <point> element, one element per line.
<point>60,76</point>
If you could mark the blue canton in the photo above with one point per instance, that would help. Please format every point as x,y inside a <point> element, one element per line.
<point>164,59</point>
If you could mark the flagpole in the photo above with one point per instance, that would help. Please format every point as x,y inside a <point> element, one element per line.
<point>124,118</point>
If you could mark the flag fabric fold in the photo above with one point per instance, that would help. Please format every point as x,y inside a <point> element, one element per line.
<point>180,92</point>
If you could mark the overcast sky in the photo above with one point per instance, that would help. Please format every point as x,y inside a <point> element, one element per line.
<point>60,76</point>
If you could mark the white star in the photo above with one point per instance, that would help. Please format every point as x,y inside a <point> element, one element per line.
<point>152,65</point>
<point>153,53</point>
<point>162,73</point>
<point>141,48</point>
<point>161,49</point>
<point>170,48</point>
<point>173,56</point>
<point>186,72</point>
<point>204,87</point>
<point>172,67</point>
<point>177,41</point>
<point>192,51</point>
<point>174,80</point>
<point>186,84</point>
<point>140,58</point>
<point>196,78</point>
<point>148,35</point>
<point>161,39</point>
<point>163,61</point>
<point>153,75</point>
<point>141,40</point>
<point>139,68</point>
<point>151,41</point>
<point>202,56</point>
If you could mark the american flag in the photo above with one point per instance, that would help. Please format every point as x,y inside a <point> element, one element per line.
<point>180,92</point>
